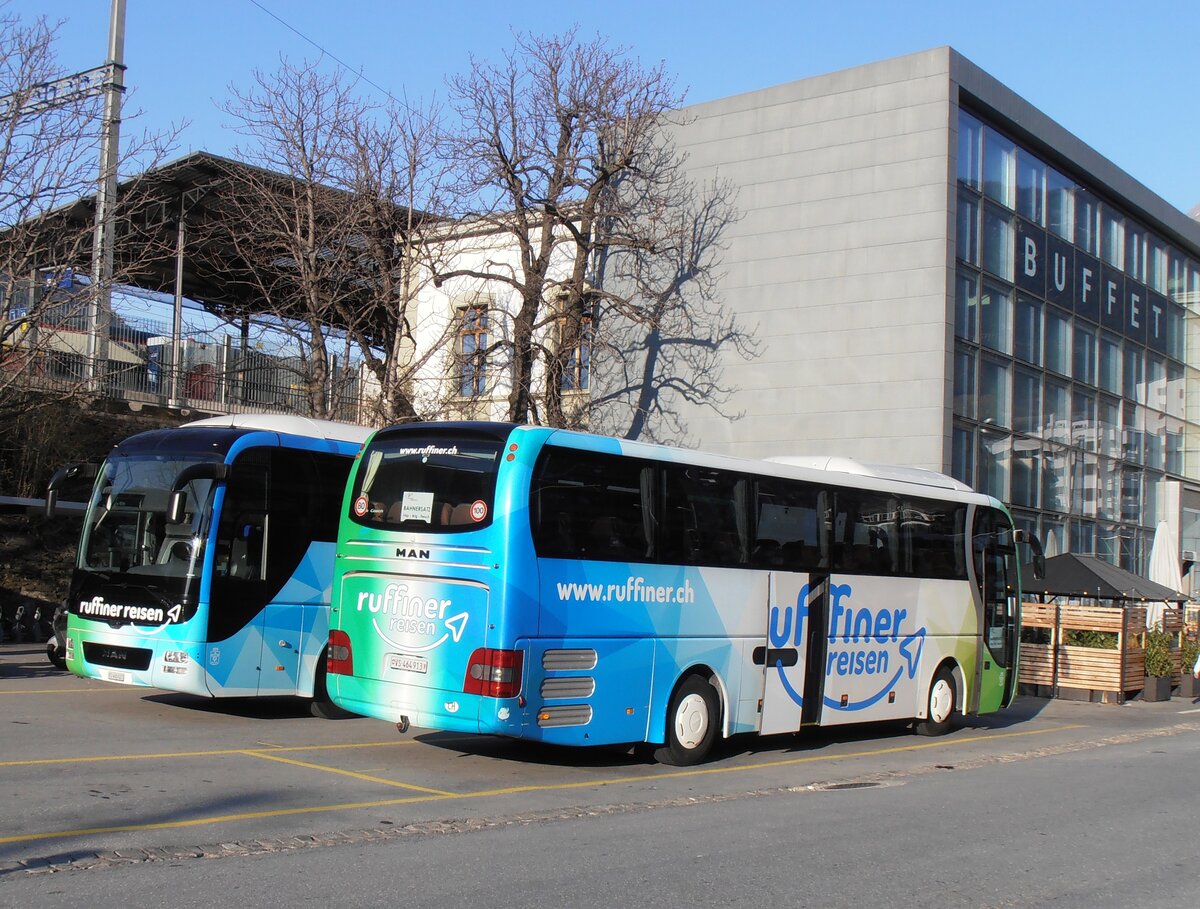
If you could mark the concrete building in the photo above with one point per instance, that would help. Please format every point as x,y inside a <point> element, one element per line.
<point>946,278</point>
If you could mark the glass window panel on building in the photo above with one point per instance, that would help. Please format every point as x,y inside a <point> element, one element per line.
<point>1153,439</point>
<point>1129,549</point>
<point>1176,274</point>
<point>1060,207</point>
<point>1056,478</point>
<point>1027,401</point>
<point>1026,472</point>
<point>995,318</point>
<point>1084,354</point>
<point>1110,363</point>
<point>1108,542</point>
<point>1133,375</point>
<point>964,383</point>
<point>1135,252</point>
<point>966,235</point>
<point>1083,537</point>
<point>1132,433</point>
<point>1108,478</point>
<point>1174,445</point>
<point>1084,484</point>
<point>992,469</point>
<point>1058,341</point>
<point>1176,389</point>
<point>1031,187</point>
<point>966,306</point>
<point>1131,493</point>
<point>1156,264</point>
<point>963,454</point>
<point>999,167</point>
<point>1027,336</point>
<point>1108,419</point>
<point>970,147</point>
<point>1087,221</point>
<point>998,238</point>
<point>1053,534</point>
<point>1083,420</point>
<point>1056,412</point>
<point>1112,236</point>
<point>1156,383</point>
<point>994,395</point>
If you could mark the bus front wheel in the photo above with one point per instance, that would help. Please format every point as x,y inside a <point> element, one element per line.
<point>943,694</point>
<point>692,721</point>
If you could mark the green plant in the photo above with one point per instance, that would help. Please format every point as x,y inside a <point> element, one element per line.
<point>1188,653</point>
<point>1099,640</point>
<point>1158,654</point>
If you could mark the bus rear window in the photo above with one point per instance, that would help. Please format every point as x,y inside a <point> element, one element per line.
<point>414,483</point>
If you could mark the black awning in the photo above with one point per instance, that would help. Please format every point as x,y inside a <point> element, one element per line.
<point>1071,575</point>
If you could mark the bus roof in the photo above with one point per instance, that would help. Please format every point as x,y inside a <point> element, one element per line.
<point>918,475</point>
<point>288,424</point>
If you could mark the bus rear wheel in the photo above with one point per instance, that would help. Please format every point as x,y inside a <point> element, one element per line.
<point>939,709</point>
<point>692,721</point>
<point>322,704</point>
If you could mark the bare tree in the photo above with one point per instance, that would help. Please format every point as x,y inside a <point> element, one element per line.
<point>665,330</point>
<point>562,147</point>
<point>396,179</point>
<point>50,131</point>
<point>326,232</point>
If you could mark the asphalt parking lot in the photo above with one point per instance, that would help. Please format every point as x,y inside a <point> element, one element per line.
<point>94,773</point>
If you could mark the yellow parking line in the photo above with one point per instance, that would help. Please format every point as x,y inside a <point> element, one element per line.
<point>193,754</point>
<point>350,773</point>
<point>67,691</point>
<point>491,793</point>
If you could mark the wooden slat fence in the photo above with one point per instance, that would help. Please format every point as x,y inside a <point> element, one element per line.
<point>1104,674</point>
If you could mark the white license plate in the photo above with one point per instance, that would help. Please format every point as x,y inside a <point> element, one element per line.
<point>116,676</point>
<point>408,663</point>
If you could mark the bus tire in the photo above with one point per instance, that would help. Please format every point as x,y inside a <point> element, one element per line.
<point>940,704</point>
<point>56,652</point>
<point>693,718</point>
<point>322,704</point>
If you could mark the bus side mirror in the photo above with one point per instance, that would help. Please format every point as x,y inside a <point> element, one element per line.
<point>83,470</point>
<point>177,503</point>
<point>1035,547</point>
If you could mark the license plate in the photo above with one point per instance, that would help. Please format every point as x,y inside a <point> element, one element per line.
<point>115,676</point>
<point>408,663</point>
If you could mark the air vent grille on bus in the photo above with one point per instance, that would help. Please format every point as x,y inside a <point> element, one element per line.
<point>569,687</point>
<point>573,715</point>
<point>569,660</point>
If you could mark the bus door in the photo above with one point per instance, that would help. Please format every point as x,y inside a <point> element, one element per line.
<point>793,652</point>
<point>996,585</point>
<point>240,660</point>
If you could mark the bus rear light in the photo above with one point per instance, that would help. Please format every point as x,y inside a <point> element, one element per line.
<point>339,660</point>
<point>494,673</point>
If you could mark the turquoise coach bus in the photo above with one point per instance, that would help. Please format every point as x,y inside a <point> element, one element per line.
<point>579,590</point>
<point>206,555</point>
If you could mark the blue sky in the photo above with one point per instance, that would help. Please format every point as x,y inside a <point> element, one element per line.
<point>1120,76</point>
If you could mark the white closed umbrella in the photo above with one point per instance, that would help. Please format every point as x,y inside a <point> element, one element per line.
<point>1164,569</point>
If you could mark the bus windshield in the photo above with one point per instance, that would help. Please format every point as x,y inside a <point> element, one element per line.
<point>126,529</point>
<point>410,481</point>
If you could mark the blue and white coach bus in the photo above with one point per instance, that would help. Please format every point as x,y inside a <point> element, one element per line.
<point>205,560</point>
<point>579,590</point>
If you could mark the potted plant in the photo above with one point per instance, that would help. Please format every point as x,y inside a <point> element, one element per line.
<point>1189,685</point>
<point>1158,666</point>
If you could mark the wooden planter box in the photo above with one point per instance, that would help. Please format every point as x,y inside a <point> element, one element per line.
<point>1089,673</point>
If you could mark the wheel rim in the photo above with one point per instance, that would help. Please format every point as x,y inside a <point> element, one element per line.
<point>691,721</point>
<point>941,701</point>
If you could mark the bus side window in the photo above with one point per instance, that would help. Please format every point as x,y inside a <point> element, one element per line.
<point>786,530</point>
<point>586,505</point>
